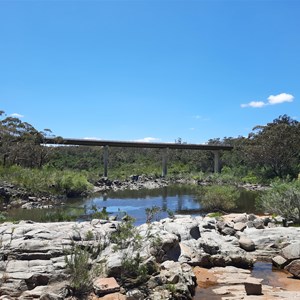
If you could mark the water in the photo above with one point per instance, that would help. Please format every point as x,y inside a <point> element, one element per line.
<point>178,199</point>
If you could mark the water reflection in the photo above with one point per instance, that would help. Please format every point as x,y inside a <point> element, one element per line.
<point>179,199</point>
<point>175,199</point>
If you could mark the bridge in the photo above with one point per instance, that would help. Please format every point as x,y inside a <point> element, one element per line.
<point>163,146</point>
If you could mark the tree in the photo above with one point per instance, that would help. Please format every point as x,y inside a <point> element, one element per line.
<point>275,147</point>
<point>20,143</point>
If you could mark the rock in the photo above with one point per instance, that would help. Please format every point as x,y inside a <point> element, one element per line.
<point>279,262</point>
<point>184,228</point>
<point>240,219</point>
<point>51,296</point>
<point>252,217</point>
<point>135,294</point>
<point>253,286</point>
<point>113,296</point>
<point>228,231</point>
<point>103,286</point>
<point>114,264</point>
<point>294,268</point>
<point>291,252</point>
<point>239,226</point>
<point>246,243</point>
<point>258,224</point>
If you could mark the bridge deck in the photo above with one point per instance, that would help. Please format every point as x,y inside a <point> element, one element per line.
<point>88,142</point>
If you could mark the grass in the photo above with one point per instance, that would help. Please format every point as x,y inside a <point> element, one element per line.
<point>47,181</point>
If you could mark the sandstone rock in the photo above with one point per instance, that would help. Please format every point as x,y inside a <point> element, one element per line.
<point>240,219</point>
<point>253,286</point>
<point>292,251</point>
<point>103,286</point>
<point>50,296</point>
<point>294,268</point>
<point>184,228</point>
<point>239,226</point>
<point>228,231</point>
<point>279,262</point>
<point>246,243</point>
<point>258,224</point>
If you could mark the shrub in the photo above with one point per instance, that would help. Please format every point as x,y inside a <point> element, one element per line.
<point>78,266</point>
<point>219,197</point>
<point>125,235</point>
<point>283,198</point>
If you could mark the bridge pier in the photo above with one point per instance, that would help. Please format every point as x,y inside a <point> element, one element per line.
<point>216,161</point>
<point>105,160</point>
<point>164,162</point>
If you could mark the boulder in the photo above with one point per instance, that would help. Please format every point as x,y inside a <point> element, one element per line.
<point>246,243</point>
<point>253,286</point>
<point>240,219</point>
<point>184,228</point>
<point>279,261</point>
<point>103,286</point>
<point>291,252</point>
<point>294,268</point>
<point>258,224</point>
<point>240,226</point>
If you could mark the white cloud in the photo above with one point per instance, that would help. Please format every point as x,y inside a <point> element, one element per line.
<point>272,100</point>
<point>281,98</point>
<point>254,104</point>
<point>148,140</point>
<point>16,115</point>
<point>192,128</point>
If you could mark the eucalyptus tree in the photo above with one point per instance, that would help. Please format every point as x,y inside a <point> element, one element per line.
<point>20,143</point>
<point>275,147</point>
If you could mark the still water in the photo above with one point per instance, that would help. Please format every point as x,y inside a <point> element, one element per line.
<point>177,199</point>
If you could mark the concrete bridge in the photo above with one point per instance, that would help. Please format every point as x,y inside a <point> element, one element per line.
<point>163,146</point>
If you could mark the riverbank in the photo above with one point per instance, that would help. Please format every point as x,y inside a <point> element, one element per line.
<point>151,261</point>
<point>13,196</point>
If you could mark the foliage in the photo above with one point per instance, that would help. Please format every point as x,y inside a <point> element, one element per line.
<point>216,215</point>
<point>125,235</point>
<point>219,197</point>
<point>133,268</point>
<point>45,181</point>
<point>78,266</point>
<point>99,214</point>
<point>20,143</point>
<point>151,213</point>
<point>283,198</point>
<point>275,147</point>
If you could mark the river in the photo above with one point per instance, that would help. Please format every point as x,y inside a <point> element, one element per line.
<point>179,199</point>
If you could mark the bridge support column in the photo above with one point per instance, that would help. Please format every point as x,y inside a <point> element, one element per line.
<point>216,161</point>
<point>105,160</point>
<point>164,162</point>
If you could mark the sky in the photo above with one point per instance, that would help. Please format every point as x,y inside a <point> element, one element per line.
<point>150,70</point>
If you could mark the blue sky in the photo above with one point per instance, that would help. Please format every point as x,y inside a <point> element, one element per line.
<point>150,70</point>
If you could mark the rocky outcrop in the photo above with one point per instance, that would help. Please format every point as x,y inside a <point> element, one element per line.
<point>155,261</point>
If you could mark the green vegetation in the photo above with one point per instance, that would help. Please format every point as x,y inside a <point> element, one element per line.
<point>268,153</point>
<point>283,198</point>
<point>78,266</point>
<point>219,197</point>
<point>44,181</point>
<point>151,213</point>
<point>126,235</point>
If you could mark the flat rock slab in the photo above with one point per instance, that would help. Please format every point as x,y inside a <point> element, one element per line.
<point>104,286</point>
